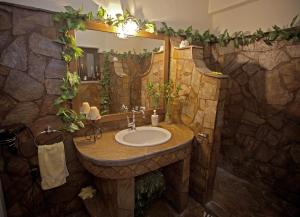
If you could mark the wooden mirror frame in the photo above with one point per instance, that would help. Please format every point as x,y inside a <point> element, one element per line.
<point>102,27</point>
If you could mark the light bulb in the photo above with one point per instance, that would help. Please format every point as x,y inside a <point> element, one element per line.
<point>121,33</point>
<point>130,27</point>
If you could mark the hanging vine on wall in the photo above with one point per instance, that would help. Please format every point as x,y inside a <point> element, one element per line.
<point>121,19</point>
<point>70,20</point>
<point>73,19</point>
<point>130,54</point>
<point>239,38</point>
<point>105,86</point>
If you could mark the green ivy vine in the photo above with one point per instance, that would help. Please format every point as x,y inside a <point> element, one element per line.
<point>70,20</point>
<point>239,38</point>
<point>130,54</point>
<point>105,86</point>
<point>121,19</point>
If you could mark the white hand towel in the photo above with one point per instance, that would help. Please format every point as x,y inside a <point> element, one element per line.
<point>52,164</point>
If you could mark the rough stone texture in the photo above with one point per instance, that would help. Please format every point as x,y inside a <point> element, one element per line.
<point>22,87</point>
<point>293,51</point>
<point>271,59</point>
<point>53,86</point>
<point>154,74</point>
<point>42,45</point>
<point>5,20</point>
<point>262,116</point>
<point>48,107</point>
<point>24,99</point>
<point>202,102</point>
<point>5,38</point>
<point>24,21</point>
<point>237,197</point>
<point>7,103</point>
<point>294,107</point>
<point>23,113</point>
<point>15,55</point>
<point>55,69</point>
<point>36,66</point>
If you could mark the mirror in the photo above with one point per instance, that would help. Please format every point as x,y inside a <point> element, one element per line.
<point>114,72</point>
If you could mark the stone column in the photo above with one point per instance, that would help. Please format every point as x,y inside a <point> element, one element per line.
<point>118,196</point>
<point>177,184</point>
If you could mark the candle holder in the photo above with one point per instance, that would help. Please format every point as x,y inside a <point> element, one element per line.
<point>94,132</point>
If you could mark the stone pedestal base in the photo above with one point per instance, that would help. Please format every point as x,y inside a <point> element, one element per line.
<point>177,184</point>
<point>118,196</point>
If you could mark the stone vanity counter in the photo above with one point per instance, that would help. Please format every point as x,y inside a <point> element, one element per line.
<point>115,167</point>
<point>107,151</point>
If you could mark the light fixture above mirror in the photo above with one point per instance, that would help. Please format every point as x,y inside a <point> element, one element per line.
<point>127,29</point>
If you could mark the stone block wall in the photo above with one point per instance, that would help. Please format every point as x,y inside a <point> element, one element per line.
<point>201,108</point>
<point>261,135</point>
<point>31,72</point>
<point>154,74</point>
<point>119,81</point>
<point>126,81</point>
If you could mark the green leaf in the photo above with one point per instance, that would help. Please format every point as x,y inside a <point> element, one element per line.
<point>58,101</point>
<point>294,21</point>
<point>150,27</point>
<point>101,12</point>
<point>120,17</point>
<point>70,9</point>
<point>273,36</point>
<point>80,124</point>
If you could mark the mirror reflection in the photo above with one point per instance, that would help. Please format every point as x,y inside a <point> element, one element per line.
<point>115,72</point>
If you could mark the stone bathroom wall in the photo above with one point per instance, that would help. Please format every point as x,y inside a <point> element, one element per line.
<point>31,72</point>
<point>261,135</point>
<point>119,82</point>
<point>126,81</point>
<point>200,108</point>
<point>154,74</point>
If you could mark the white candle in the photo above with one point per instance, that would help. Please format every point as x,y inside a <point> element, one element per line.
<point>94,113</point>
<point>85,108</point>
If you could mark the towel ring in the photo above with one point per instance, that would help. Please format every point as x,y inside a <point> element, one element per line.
<point>47,132</point>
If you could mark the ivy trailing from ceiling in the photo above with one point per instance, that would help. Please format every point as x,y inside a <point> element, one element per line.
<point>239,38</point>
<point>70,20</point>
<point>105,86</point>
<point>132,54</point>
<point>121,19</point>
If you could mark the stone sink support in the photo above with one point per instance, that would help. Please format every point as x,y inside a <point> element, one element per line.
<point>115,167</point>
<point>201,108</point>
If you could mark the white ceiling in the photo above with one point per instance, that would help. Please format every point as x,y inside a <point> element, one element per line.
<point>177,13</point>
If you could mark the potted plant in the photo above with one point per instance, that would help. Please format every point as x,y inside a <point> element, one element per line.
<point>170,92</point>
<point>154,92</point>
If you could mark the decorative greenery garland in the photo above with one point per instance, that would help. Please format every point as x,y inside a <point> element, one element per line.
<point>70,20</point>
<point>105,86</point>
<point>129,54</point>
<point>239,38</point>
<point>73,19</point>
<point>121,19</point>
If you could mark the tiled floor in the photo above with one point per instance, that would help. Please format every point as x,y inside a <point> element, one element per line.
<point>238,198</point>
<point>233,197</point>
<point>161,208</point>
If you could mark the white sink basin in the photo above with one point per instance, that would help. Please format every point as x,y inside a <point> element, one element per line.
<point>143,136</point>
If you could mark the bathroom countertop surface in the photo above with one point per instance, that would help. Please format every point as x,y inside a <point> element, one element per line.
<point>107,151</point>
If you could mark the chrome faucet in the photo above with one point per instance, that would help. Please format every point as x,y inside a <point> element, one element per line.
<point>131,125</point>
